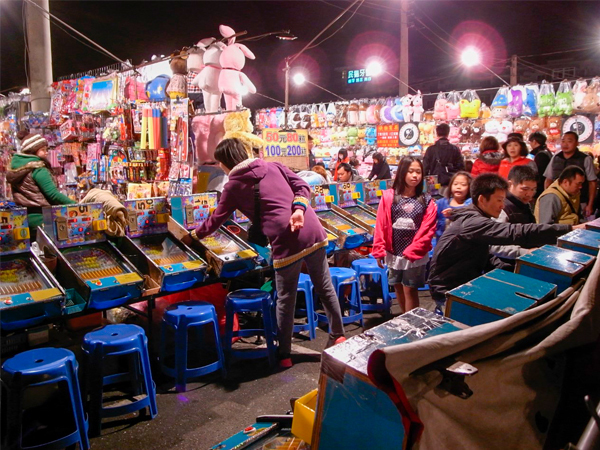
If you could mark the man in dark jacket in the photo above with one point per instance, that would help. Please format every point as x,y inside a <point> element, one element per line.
<point>462,253</point>
<point>541,157</point>
<point>442,158</point>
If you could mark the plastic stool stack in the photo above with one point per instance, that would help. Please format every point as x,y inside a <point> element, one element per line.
<point>102,345</point>
<point>306,286</point>
<point>36,368</point>
<point>250,300</point>
<point>181,318</point>
<point>370,268</point>
<point>342,277</point>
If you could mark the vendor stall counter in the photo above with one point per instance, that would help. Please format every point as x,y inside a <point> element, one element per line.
<point>28,292</point>
<point>88,263</point>
<point>346,203</point>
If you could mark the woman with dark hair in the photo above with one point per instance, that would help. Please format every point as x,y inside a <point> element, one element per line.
<point>515,154</point>
<point>381,169</point>
<point>290,224</point>
<point>489,157</point>
<point>342,158</point>
<point>405,226</point>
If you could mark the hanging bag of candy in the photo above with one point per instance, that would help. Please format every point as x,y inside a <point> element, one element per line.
<point>547,99</point>
<point>564,99</point>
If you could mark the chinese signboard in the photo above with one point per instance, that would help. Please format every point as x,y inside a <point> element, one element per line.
<point>288,147</point>
<point>357,76</point>
<point>388,135</point>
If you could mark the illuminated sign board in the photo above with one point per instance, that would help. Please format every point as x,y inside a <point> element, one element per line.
<point>357,76</point>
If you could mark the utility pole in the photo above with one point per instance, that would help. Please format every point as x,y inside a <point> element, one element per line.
<point>403,48</point>
<point>40,55</point>
<point>513,70</point>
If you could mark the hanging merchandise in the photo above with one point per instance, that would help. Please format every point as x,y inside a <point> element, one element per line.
<point>156,89</point>
<point>439,108</point>
<point>386,111</point>
<point>485,112</point>
<point>454,135</point>
<point>341,115</point>
<point>564,100</point>
<point>466,129</point>
<point>579,91</point>
<point>362,112</point>
<point>477,132</point>
<point>500,103</point>
<point>135,89</point>
<point>591,100</point>
<point>177,87</point>
<point>469,104</point>
<point>547,99</point>
<point>353,113</point>
<point>103,94</point>
<point>553,129</point>
<point>417,107</point>
<point>331,113</point>
<point>530,105</point>
<point>452,105</point>
<point>407,108</point>
<point>522,126</point>
<point>515,104</point>
<point>396,112</point>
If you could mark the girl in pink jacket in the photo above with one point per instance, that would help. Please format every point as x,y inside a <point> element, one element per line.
<point>406,222</point>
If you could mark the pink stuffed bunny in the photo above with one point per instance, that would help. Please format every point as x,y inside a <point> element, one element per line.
<point>452,111</point>
<point>232,81</point>
<point>454,136</point>
<point>407,108</point>
<point>417,107</point>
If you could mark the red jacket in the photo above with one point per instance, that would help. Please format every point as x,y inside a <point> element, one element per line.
<point>506,165</point>
<point>383,241</point>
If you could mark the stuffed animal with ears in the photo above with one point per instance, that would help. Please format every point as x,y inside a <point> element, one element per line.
<point>232,81</point>
<point>505,128</point>
<point>407,108</point>
<point>341,117</point>
<point>521,126</point>
<point>417,107</point>
<point>564,100</point>
<point>238,125</point>
<point>515,106</point>
<point>208,78</point>
<point>371,117</point>
<point>439,108</point>
<point>454,136</point>
<point>177,86</point>
<point>353,114</point>
<point>465,132</point>
<point>530,107</point>
<point>476,131</point>
<point>491,128</point>
<point>537,124</point>
<point>397,110</point>
<point>330,115</point>
<point>362,112</point>
<point>499,112</point>
<point>371,135</point>
<point>591,101</point>
<point>579,90</point>
<point>553,128</point>
<point>452,111</point>
<point>352,135</point>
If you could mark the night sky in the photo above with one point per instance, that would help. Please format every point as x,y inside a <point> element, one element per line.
<point>136,30</point>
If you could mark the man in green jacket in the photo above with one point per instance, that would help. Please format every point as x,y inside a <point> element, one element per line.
<point>31,180</point>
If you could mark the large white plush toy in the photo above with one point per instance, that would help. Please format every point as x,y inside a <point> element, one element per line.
<point>208,78</point>
<point>417,107</point>
<point>232,81</point>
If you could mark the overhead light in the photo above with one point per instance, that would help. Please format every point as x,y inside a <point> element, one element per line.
<point>374,69</point>
<point>299,79</point>
<point>470,57</point>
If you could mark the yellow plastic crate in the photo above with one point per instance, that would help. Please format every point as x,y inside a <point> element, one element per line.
<point>304,416</point>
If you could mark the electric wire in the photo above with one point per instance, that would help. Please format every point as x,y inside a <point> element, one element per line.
<point>360,14</point>
<point>342,26</point>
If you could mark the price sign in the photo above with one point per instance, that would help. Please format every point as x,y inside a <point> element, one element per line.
<point>288,147</point>
<point>388,135</point>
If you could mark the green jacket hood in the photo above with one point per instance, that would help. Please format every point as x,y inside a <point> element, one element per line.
<point>20,159</point>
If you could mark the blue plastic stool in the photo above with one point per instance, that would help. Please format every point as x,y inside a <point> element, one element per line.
<point>306,286</point>
<point>44,366</point>
<point>250,300</point>
<point>341,277</point>
<point>110,341</point>
<point>181,318</point>
<point>369,267</point>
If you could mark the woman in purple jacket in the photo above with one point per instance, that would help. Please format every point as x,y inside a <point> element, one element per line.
<point>290,224</point>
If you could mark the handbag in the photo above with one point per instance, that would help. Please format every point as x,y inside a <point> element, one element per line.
<point>255,234</point>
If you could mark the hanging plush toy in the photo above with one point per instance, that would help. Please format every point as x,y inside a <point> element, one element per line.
<point>515,106</point>
<point>564,99</point>
<point>553,129</point>
<point>177,87</point>
<point>397,110</point>
<point>353,114</point>
<point>439,108</point>
<point>579,91</point>
<point>476,132</point>
<point>386,112</point>
<point>453,106</point>
<point>454,136</point>
<point>591,101</point>
<point>547,99</point>
<point>233,83</point>
<point>407,108</point>
<point>417,107</point>
<point>530,106</point>
<point>362,112</point>
<point>208,78</point>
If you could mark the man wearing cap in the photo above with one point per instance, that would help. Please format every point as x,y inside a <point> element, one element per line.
<point>31,180</point>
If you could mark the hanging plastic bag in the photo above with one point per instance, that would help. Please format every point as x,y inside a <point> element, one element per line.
<point>439,108</point>
<point>530,105</point>
<point>331,112</point>
<point>579,91</point>
<point>547,99</point>
<point>453,105</point>
<point>591,101</point>
<point>469,104</point>
<point>515,104</point>
<point>501,98</point>
<point>564,99</point>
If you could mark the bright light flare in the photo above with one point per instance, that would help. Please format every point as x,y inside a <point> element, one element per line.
<point>374,68</point>
<point>299,79</point>
<point>471,57</point>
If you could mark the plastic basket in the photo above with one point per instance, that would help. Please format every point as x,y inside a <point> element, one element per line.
<point>304,416</point>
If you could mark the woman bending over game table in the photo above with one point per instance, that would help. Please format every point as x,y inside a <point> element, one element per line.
<point>290,224</point>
